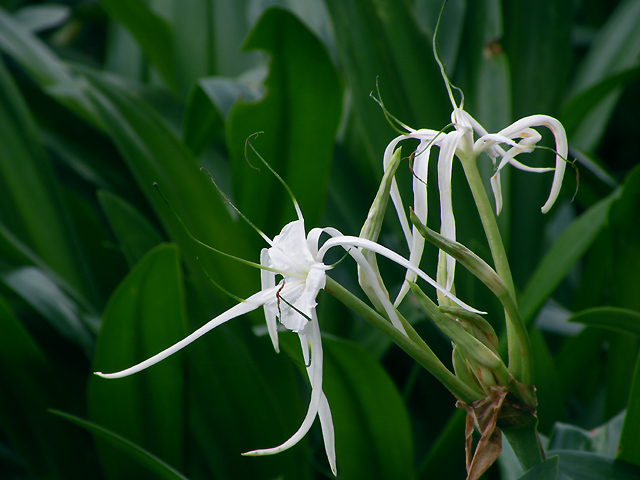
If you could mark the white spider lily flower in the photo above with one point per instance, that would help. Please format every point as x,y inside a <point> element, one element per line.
<point>520,137</point>
<point>298,259</point>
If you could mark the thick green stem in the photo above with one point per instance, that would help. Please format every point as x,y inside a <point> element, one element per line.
<point>411,343</point>
<point>489,223</point>
<point>520,364</point>
<point>525,443</point>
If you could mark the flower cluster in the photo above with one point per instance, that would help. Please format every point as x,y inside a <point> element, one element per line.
<point>520,137</point>
<point>298,259</point>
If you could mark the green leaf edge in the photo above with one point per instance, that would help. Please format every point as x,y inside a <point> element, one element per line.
<point>145,458</point>
<point>617,319</point>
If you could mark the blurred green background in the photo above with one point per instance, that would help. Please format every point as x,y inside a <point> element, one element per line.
<point>100,99</point>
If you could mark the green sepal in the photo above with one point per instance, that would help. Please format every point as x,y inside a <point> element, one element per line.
<point>462,368</point>
<point>372,225</point>
<point>475,325</point>
<point>470,347</point>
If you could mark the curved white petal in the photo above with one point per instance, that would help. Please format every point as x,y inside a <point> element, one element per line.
<point>290,252</point>
<point>496,188</point>
<point>328,433</point>
<point>268,281</point>
<point>561,148</point>
<point>251,303</point>
<point>395,193</point>
<point>447,219</point>
<point>420,208</point>
<point>316,394</point>
<point>393,256</point>
<point>367,270</point>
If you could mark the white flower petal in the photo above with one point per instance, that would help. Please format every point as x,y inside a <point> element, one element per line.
<point>268,281</point>
<point>316,395</point>
<point>447,219</point>
<point>395,193</point>
<point>393,256</point>
<point>561,148</point>
<point>496,187</point>
<point>251,303</point>
<point>420,208</point>
<point>290,251</point>
<point>367,270</point>
<point>328,433</point>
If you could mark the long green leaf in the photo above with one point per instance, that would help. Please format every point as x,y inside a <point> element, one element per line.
<point>611,318</point>
<point>243,396</point>
<point>380,39</point>
<point>561,257</point>
<point>629,449</point>
<point>151,31</point>
<point>31,204</point>
<point>299,116</point>
<point>135,234</point>
<point>54,305</point>
<point>536,42</point>
<point>207,107</point>
<point>589,466</point>
<point>30,384</point>
<point>150,461</point>
<point>551,402</point>
<point>576,108</point>
<point>40,62</point>
<point>615,48</point>
<point>145,314</point>
<point>547,470</point>
<point>368,445</point>
<point>207,36</point>
<point>154,154</point>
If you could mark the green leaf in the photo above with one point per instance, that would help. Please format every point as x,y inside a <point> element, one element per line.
<point>299,116</point>
<point>207,107</point>
<point>150,461</point>
<point>243,396</point>
<point>625,246</point>
<point>43,17</point>
<point>538,41</point>
<point>143,316</point>
<point>629,449</point>
<point>551,404</point>
<point>368,445</point>
<point>563,254</point>
<point>31,206</point>
<point>135,234</point>
<point>49,300</point>
<point>611,318</point>
<point>547,470</point>
<point>151,32</point>
<point>381,39</point>
<point>484,68</point>
<point>154,154</point>
<point>207,36</point>
<point>615,48</point>
<point>589,466</point>
<point>579,106</point>
<point>123,55</point>
<point>570,361</point>
<point>602,440</point>
<point>30,384</point>
<point>42,65</point>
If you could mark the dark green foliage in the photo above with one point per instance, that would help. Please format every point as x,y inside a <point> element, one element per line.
<point>99,100</point>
